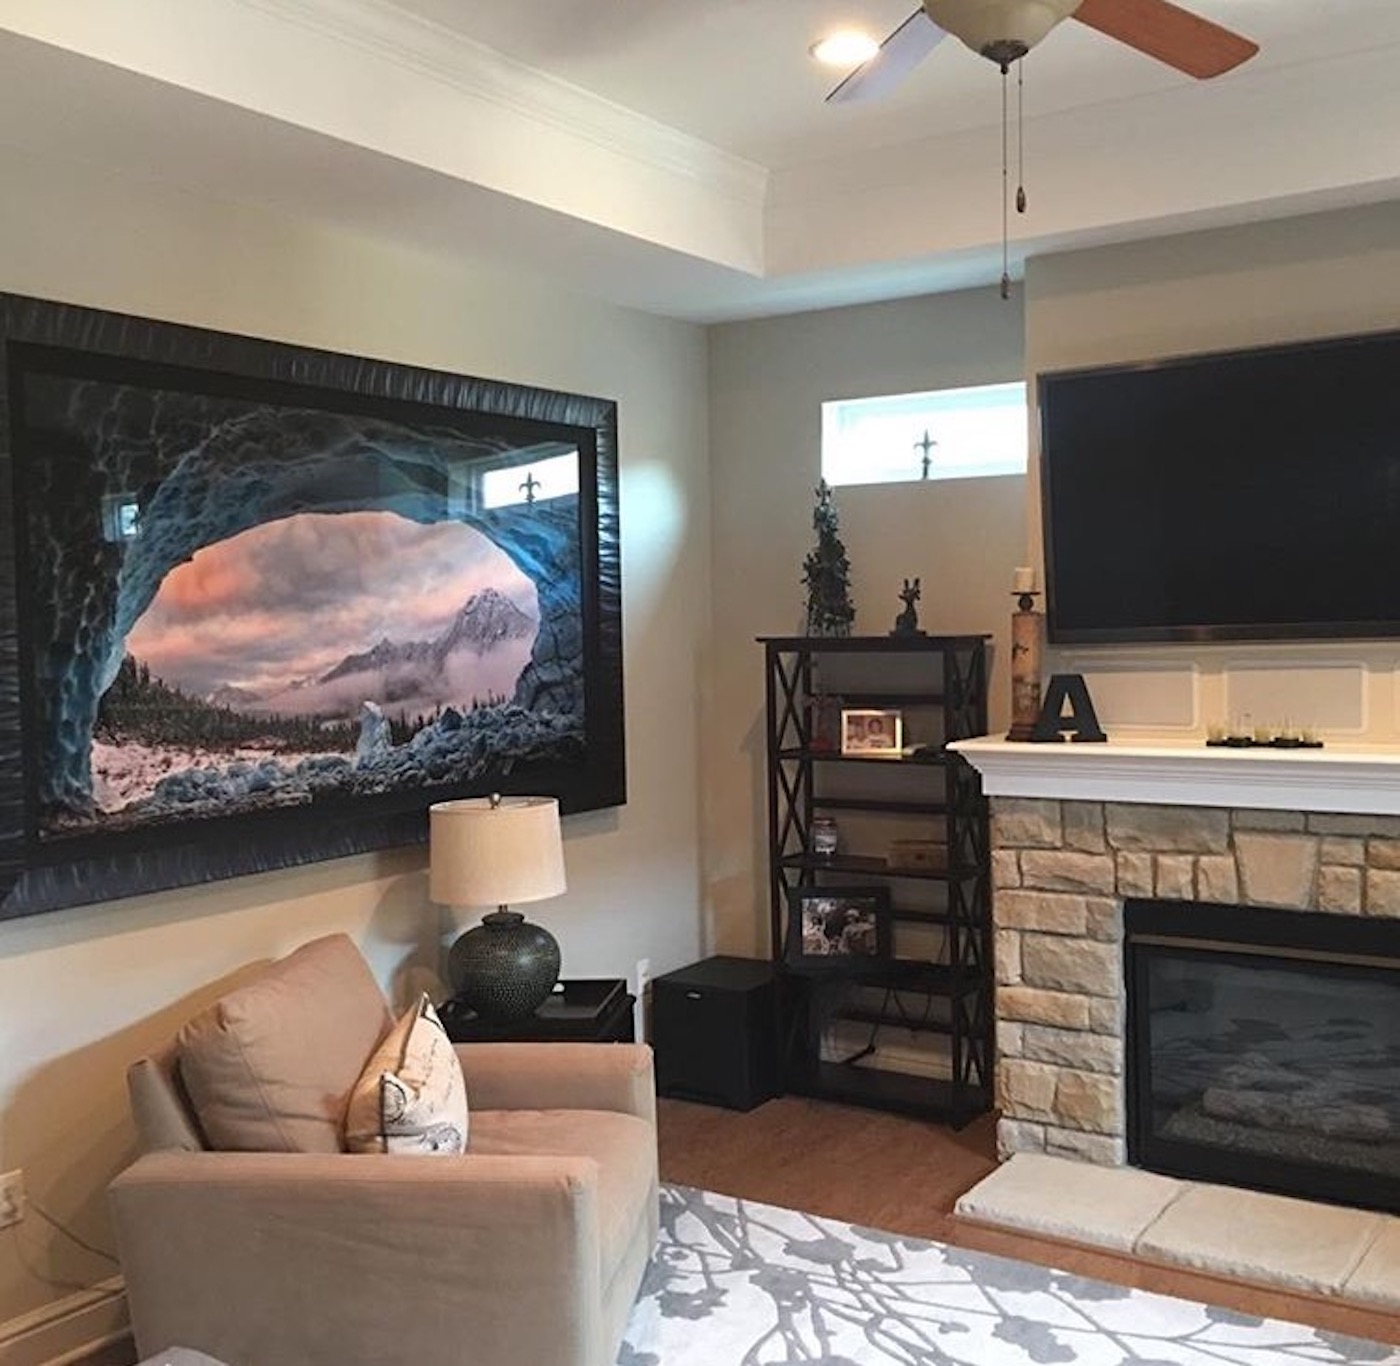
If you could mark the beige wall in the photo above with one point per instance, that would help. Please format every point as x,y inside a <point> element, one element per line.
<point>1314,276</point>
<point>768,380</point>
<point>86,990</point>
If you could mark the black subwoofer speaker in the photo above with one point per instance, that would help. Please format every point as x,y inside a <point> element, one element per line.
<point>714,1031</point>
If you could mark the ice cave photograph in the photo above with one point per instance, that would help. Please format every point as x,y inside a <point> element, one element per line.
<point>247,606</point>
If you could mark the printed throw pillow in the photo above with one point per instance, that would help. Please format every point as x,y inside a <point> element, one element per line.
<point>411,1097</point>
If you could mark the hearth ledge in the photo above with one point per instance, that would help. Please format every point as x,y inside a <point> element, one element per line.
<point>1349,779</point>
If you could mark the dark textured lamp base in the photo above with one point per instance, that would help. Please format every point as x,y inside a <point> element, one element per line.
<point>504,968</point>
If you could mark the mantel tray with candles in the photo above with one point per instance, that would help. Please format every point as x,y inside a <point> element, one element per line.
<point>1261,737</point>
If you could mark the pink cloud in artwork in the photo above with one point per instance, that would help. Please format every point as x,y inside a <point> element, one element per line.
<point>283,603</point>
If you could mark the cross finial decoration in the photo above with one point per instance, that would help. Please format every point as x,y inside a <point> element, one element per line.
<point>926,445</point>
<point>528,488</point>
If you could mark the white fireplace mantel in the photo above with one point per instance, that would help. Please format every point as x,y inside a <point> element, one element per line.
<point>1338,778</point>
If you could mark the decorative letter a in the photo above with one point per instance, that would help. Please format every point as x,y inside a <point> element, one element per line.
<point>1080,724</point>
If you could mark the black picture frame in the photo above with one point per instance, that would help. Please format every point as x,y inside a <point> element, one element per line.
<point>835,929</point>
<point>118,431</point>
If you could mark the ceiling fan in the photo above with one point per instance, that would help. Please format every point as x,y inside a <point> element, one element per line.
<point>1003,31</point>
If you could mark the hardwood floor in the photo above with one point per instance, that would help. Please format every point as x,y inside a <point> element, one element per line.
<point>904,1175</point>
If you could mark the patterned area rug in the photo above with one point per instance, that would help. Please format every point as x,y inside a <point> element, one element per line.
<point>739,1284</point>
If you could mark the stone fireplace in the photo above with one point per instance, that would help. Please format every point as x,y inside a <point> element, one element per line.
<point>1131,823</point>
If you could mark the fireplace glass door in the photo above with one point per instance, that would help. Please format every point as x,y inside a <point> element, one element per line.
<point>1264,1049</point>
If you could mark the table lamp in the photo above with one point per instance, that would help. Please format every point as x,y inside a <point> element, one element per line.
<point>497,850</point>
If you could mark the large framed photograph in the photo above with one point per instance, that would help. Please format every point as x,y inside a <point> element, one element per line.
<point>870,733</point>
<point>837,927</point>
<point>266,604</point>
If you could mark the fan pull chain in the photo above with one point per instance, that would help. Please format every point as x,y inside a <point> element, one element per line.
<point>1005,187</point>
<point>1021,136</point>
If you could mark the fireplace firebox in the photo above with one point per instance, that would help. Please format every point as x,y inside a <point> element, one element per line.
<point>1263,1049</point>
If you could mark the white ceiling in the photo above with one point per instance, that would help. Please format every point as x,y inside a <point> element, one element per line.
<point>736,72</point>
<point>677,155</point>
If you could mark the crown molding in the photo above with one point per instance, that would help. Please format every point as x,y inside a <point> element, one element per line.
<point>430,49</point>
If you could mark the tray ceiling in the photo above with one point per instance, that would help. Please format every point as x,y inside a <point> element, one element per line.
<point>677,156</point>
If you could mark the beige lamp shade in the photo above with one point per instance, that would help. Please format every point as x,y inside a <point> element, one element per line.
<point>494,851</point>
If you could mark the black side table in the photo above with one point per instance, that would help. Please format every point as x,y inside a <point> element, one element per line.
<point>591,1010</point>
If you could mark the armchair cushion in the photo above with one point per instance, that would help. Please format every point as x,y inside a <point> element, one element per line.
<point>560,1076</point>
<point>411,1097</point>
<point>270,1066</point>
<point>622,1146</point>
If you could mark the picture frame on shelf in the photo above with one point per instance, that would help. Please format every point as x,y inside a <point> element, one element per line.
<point>836,928</point>
<point>872,733</point>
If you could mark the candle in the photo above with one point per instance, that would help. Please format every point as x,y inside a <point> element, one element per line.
<point>1023,580</point>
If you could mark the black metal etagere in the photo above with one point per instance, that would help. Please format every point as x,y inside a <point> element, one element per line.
<point>940,684</point>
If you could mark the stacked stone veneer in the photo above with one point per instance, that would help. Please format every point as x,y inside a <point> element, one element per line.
<point>1060,871</point>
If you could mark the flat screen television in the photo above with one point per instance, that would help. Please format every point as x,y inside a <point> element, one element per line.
<point>1231,496</point>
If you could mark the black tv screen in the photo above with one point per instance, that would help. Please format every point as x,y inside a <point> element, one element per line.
<point>1240,495</point>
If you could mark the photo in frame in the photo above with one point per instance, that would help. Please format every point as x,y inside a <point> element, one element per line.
<point>871,733</point>
<point>832,928</point>
<point>268,603</point>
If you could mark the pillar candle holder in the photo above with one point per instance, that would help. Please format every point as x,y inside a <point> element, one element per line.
<point>1025,666</point>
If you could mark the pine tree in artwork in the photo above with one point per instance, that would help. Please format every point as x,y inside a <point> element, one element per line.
<point>827,573</point>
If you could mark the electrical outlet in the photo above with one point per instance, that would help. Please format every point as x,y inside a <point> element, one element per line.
<point>11,1197</point>
<point>643,976</point>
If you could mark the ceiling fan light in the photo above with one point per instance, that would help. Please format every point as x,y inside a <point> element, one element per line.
<point>845,47</point>
<point>992,27</point>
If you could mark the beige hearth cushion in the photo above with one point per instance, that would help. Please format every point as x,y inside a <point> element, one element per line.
<point>1297,1243</point>
<point>1104,1206</point>
<point>1376,1279</point>
<point>270,1067</point>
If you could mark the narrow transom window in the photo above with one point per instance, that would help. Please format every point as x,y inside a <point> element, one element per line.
<point>944,434</point>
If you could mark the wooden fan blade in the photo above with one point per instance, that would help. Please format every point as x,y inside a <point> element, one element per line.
<point>899,54</point>
<point>1169,33</point>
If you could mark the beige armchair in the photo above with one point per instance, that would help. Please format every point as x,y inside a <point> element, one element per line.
<point>528,1247</point>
